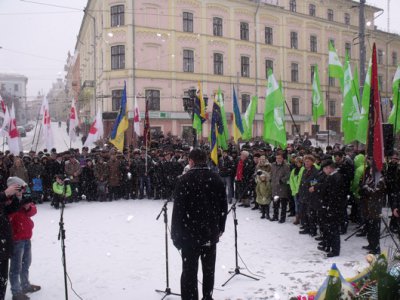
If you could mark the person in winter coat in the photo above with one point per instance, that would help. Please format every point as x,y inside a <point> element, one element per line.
<point>73,170</point>
<point>9,203</point>
<point>359,165</point>
<point>114,177</point>
<point>294,183</point>
<point>264,166</point>
<point>61,191</point>
<point>333,198</point>
<point>3,175</point>
<point>280,173</point>
<point>263,192</point>
<point>88,183</point>
<point>244,178</point>
<point>373,194</point>
<point>225,167</point>
<point>198,221</point>
<point>101,172</point>
<point>22,226</point>
<point>18,170</point>
<point>308,179</point>
<point>35,172</point>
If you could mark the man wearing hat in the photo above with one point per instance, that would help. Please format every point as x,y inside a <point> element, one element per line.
<point>333,199</point>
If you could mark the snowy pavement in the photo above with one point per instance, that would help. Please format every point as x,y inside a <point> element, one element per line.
<point>115,250</point>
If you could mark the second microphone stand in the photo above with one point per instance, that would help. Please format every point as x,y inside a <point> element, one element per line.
<point>237,268</point>
<point>167,290</point>
<point>61,236</point>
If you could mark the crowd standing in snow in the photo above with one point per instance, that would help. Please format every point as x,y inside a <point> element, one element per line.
<point>322,189</point>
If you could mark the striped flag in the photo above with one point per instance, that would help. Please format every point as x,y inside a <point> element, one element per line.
<point>362,129</point>
<point>335,66</point>
<point>394,117</point>
<point>237,119</point>
<point>217,129</point>
<point>318,109</point>
<point>224,138</point>
<point>249,118</point>
<point>121,124</point>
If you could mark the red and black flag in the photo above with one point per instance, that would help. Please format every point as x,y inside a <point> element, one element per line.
<point>375,133</point>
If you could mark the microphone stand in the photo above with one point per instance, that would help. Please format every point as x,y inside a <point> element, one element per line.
<point>167,290</point>
<point>237,268</point>
<point>61,236</point>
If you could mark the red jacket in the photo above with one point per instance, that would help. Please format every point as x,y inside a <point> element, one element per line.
<point>22,223</point>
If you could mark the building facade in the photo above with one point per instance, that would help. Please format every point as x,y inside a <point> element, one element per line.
<point>161,49</point>
<point>58,102</point>
<point>13,90</point>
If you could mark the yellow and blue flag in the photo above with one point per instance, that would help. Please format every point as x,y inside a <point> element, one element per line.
<point>199,110</point>
<point>237,119</point>
<point>121,124</point>
<point>217,130</point>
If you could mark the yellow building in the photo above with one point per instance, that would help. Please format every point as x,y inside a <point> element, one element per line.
<point>163,48</point>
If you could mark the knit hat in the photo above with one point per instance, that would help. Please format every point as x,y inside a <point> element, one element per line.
<point>15,180</point>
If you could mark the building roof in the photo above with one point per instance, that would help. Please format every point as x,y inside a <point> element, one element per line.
<point>13,76</point>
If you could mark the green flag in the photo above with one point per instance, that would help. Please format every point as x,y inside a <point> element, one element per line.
<point>394,117</point>
<point>356,83</point>
<point>362,129</point>
<point>224,137</point>
<point>249,118</point>
<point>274,131</point>
<point>335,66</point>
<point>350,108</point>
<point>318,109</point>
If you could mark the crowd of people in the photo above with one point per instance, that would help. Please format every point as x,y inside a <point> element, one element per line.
<point>322,189</point>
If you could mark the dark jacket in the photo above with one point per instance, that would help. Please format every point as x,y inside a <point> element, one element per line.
<point>6,237</point>
<point>200,208</point>
<point>373,196</point>
<point>226,166</point>
<point>308,179</point>
<point>333,197</point>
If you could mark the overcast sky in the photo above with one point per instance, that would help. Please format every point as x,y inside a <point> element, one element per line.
<point>35,38</point>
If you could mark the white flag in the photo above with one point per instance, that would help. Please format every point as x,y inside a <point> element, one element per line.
<point>6,123</point>
<point>96,130</point>
<point>14,143</point>
<point>47,132</point>
<point>136,119</point>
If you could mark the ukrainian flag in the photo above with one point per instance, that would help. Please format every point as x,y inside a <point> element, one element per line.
<point>217,129</point>
<point>121,124</point>
<point>237,119</point>
<point>199,110</point>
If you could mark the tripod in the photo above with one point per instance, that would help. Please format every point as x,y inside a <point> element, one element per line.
<point>389,233</point>
<point>61,236</point>
<point>167,290</point>
<point>237,268</point>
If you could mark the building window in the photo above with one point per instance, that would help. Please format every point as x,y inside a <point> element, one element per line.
<point>332,81</point>
<point>218,64</point>
<point>244,31</point>
<point>296,129</point>
<point>117,57</point>
<point>295,72</point>
<point>217,26</point>
<point>245,66</point>
<point>380,81</point>
<point>293,40</point>
<point>394,58</point>
<point>330,14</point>
<point>380,57</point>
<point>332,108</point>
<point>188,61</point>
<point>153,98</point>
<point>332,41</point>
<point>292,5</point>
<point>311,10</point>
<point>295,106</point>
<point>269,36</point>
<point>245,102</point>
<point>347,49</point>
<point>313,43</point>
<point>117,15</point>
<point>116,96</point>
<point>347,19</point>
<point>312,73</point>
<point>16,87</point>
<point>187,22</point>
<point>269,65</point>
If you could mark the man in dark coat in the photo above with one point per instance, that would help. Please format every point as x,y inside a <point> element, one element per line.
<point>198,221</point>
<point>8,204</point>
<point>333,198</point>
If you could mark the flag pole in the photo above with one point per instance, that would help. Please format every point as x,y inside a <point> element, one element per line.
<point>37,141</point>
<point>37,121</point>
<point>294,122</point>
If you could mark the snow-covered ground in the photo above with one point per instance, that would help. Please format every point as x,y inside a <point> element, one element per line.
<point>115,250</point>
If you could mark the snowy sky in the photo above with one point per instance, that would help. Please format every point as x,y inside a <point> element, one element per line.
<point>35,38</point>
